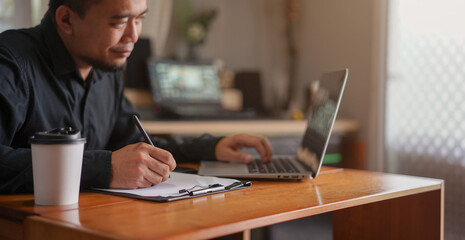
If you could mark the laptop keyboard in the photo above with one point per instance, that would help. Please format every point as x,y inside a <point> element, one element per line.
<point>278,165</point>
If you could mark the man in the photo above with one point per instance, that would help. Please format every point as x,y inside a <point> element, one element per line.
<point>66,72</point>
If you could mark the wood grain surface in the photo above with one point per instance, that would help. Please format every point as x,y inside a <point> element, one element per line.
<point>265,203</point>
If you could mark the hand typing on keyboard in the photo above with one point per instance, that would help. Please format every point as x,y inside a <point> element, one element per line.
<point>227,149</point>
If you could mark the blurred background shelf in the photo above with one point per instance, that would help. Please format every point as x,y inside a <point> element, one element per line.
<point>268,128</point>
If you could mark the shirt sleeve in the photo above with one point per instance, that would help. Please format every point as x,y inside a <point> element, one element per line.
<point>186,150</point>
<point>15,164</point>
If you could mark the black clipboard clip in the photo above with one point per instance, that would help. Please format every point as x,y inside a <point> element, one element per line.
<point>212,188</point>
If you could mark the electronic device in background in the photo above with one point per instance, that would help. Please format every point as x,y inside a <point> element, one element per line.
<point>188,90</point>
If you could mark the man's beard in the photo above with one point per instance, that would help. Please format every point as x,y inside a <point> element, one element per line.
<point>102,65</point>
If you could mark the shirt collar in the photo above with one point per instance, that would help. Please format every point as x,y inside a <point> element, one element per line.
<point>62,62</point>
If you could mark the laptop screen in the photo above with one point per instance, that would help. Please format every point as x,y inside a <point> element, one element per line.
<point>324,104</point>
<point>179,82</point>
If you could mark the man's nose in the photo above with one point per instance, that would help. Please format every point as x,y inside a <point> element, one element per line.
<point>132,32</point>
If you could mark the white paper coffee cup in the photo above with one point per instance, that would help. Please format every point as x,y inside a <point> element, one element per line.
<point>56,165</point>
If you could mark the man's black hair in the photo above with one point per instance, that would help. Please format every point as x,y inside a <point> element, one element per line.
<point>78,6</point>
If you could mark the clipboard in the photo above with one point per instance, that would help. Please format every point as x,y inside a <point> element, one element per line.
<point>180,186</point>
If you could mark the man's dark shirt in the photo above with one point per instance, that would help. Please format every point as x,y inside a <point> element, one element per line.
<point>41,89</point>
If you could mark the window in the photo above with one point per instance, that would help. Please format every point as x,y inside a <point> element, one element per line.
<point>21,13</point>
<point>6,14</point>
<point>425,109</point>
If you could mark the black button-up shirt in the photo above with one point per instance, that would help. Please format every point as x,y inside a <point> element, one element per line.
<point>41,89</point>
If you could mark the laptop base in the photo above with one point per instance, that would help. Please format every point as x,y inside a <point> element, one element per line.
<point>240,170</point>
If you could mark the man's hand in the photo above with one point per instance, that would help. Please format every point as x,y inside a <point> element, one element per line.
<point>140,165</point>
<point>227,149</point>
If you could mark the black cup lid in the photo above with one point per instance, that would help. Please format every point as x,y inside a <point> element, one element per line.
<point>65,135</point>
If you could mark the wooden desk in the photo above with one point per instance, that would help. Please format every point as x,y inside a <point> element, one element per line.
<point>365,205</point>
<point>261,127</point>
<point>14,209</point>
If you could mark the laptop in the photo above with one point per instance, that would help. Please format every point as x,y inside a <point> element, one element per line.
<point>188,90</point>
<point>323,107</point>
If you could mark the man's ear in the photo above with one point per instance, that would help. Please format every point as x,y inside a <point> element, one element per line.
<point>63,16</point>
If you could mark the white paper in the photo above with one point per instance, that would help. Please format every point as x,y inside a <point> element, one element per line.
<point>176,182</point>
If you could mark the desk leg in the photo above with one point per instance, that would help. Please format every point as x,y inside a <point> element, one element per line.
<point>418,216</point>
<point>245,235</point>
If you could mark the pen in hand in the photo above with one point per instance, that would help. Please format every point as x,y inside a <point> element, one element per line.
<point>141,129</point>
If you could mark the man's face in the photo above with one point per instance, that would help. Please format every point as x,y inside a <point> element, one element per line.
<point>105,36</point>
